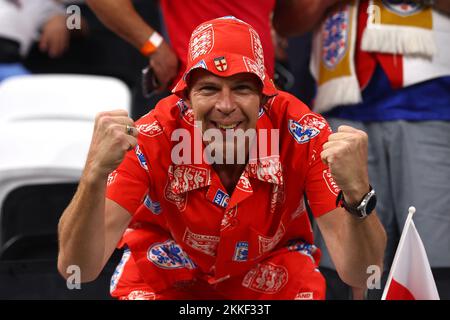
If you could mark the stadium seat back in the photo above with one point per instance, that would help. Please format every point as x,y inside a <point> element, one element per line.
<point>46,124</point>
<point>61,96</point>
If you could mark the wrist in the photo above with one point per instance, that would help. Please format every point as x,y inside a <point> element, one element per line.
<point>94,174</point>
<point>361,209</point>
<point>152,44</point>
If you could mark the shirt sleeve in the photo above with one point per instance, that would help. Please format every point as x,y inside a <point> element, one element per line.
<point>130,182</point>
<point>321,189</point>
<point>49,9</point>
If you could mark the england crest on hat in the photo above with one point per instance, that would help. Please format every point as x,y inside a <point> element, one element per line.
<point>221,64</point>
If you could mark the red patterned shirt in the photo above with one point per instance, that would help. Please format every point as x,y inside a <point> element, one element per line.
<point>222,235</point>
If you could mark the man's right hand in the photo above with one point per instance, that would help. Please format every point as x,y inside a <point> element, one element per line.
<point>110,142</point>
<point>164,62</point>
<point>55,37</point>
<point>91,226</point>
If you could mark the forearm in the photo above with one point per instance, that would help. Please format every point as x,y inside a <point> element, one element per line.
<point>442,6</point>
<point>48,9</point>
<point>121,17</point>
<point>82,229</point>
<point>361,244</point>
<point>354,243</point>
<point>295,17</point>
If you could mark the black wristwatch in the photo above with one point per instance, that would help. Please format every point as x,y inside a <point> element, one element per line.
<point>364,208</point>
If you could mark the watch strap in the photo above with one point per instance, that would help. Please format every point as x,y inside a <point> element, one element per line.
<point>357,210</point>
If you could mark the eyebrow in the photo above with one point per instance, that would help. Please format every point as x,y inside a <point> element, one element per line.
<point>247,82</point>
<point>209,82</point>
<point>205,82</point>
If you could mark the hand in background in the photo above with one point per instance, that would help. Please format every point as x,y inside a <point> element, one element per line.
<point>55,36</point>
<point>443,6</point>
<point>164,62</point>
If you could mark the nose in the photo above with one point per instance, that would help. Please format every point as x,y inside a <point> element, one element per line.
<point>225,102</point>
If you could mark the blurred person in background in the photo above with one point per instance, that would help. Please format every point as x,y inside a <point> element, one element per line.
<point>167,55</point>
<point>384,67</point>
<point>24,21</point>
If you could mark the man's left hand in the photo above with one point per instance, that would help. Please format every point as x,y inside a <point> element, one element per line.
<point>346,155</point>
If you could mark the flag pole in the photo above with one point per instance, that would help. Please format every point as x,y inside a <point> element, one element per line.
<point>411,211</point>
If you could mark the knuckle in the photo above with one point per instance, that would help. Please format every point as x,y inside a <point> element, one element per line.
<point>116,135</point>
<point>331,159</point>
<point>104,120</point>
<point>337,152</point>
<point>347,146</point>
<point>124,113</point>
<point>364,136</point>
<point>99,116</point>
<point>112,129</point>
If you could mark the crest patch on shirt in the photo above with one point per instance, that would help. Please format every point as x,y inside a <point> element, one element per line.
<point>241,251</point>
<point>267,278</point>
<point>203,243</point>
<point>221,198</point>
<point>169,255</point>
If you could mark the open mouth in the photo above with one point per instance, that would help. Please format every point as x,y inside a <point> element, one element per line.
<point>226,126</point>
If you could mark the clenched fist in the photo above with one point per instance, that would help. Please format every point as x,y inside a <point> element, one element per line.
<point>345,153</point>
<point>110,141</point>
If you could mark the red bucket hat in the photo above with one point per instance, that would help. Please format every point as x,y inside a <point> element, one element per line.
<point>226,46</point>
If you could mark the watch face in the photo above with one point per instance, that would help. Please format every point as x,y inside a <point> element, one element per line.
<point>366,206</point>
<point>371,203</point>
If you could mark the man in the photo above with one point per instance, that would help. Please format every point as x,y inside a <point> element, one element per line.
<point>383,67</point>
<point>222,229</point>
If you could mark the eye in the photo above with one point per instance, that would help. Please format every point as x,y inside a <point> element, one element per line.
<point>208,89</point>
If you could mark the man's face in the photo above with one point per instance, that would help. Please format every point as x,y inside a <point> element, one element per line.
<point>225,104</point>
